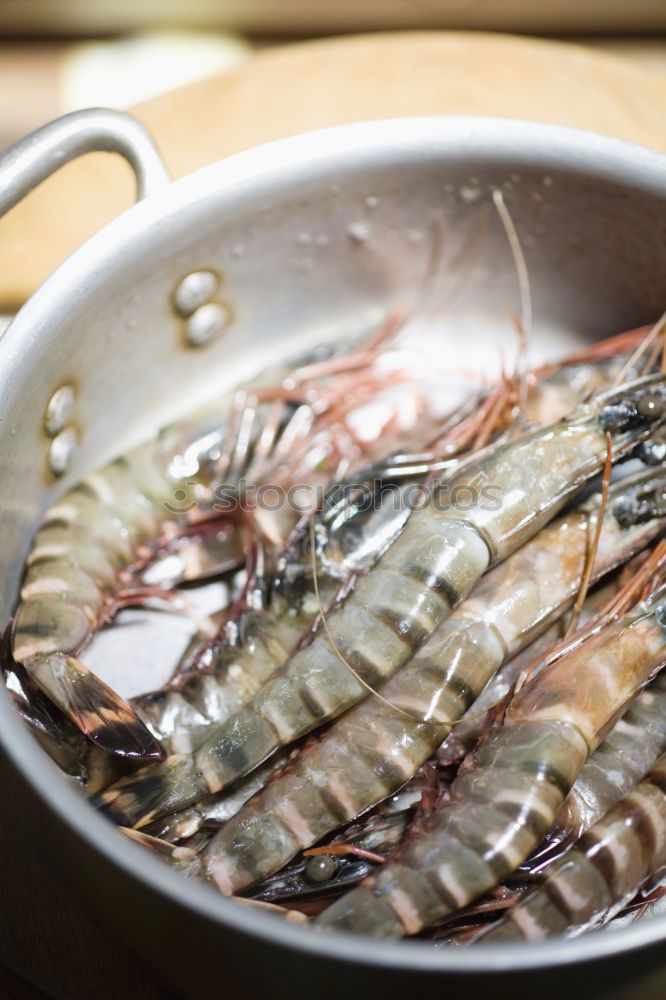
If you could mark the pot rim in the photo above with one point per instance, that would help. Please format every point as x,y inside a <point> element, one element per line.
<point>549,147</point>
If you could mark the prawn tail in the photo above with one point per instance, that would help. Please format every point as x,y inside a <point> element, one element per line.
<point>101,714</point>
<point>154,791</point>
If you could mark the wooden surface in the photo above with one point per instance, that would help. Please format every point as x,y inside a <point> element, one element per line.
<point>292,89</point>
<point>49,945</point>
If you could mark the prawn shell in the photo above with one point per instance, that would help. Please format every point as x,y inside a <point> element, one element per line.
<point>428,570</point>
<point>114,490</point>
<point>579,688</point>
<point>503,805</point>
<point>181,717</point>
<point>49,623</point>
<point>628,752</point>
<point>81,509</point>
<point>102,715</point>
<point>74,545</point>
<point>61,577</point>
<point>601,873</point>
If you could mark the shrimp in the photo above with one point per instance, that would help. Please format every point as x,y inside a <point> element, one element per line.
<point>81,559</point>
<point>625,756</point>
<point>631,507</point>
<point>374,749</point>
<point>56,735</point>
<point>430,568</point>
<point>258,639</point>
<point>211,813</point>
<point>349,536</point>
<point>628,752</point>
<point>75,562</point>
<point>601,874</point>
<point>343,863</point>
<point>503,804</point>
<point>76,570</point>
<point>347,544</point>
<point>630,749</point>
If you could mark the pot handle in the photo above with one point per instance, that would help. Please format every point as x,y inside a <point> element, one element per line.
<point>32,159</point>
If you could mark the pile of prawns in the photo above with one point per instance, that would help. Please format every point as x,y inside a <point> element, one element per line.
<point>443,720</point>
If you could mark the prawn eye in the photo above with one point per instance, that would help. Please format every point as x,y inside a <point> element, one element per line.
<point>652,452</point>
<point>651,406</point>
<point>625,511</point>
<point>617,417</point>
<point>321,868</point>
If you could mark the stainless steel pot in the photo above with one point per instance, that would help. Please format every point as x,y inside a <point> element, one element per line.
<point>308,238</point>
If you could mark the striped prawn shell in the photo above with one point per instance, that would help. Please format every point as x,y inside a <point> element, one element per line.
<point>602,873</point>
<point>429,569</point>
<point>181,717</point>
<point>374,749</point>
<point>86,539</point>
<point>627,753</point>
<point>260,642</point>
<point>505,803</point>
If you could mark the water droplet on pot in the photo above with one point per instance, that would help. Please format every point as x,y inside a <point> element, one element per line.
<point>359,231</point>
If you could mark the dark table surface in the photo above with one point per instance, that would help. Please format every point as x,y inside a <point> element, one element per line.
<point>49,945</point>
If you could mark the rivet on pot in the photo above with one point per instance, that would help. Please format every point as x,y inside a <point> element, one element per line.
<point>194,291</point>
<point>206,323</point>
<point>59,410</point>
<point>62,449</point>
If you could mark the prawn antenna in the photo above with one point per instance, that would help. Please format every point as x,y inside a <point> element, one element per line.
<point>526,317</point>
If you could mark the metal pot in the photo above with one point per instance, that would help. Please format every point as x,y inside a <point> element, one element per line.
<point>307,238</point>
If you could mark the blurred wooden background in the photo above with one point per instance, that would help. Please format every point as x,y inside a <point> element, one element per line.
<point>49,945</point>
<point>288,89</point>
<point>300,17</point>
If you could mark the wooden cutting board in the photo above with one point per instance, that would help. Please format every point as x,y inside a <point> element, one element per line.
<point>309,85</point>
